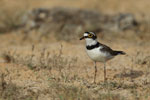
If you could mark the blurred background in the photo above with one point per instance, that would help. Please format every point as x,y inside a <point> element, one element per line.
<point>68,19</point>
<point>41,57</point>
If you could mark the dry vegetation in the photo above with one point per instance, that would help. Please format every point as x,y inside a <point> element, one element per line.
<point>39,67</point>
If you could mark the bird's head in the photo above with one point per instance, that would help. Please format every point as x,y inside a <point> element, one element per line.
<point>89,36</point>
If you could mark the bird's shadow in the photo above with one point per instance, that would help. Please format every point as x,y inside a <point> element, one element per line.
<point>132,74</point>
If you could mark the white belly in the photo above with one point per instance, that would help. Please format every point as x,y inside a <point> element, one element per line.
<point>97,55</point>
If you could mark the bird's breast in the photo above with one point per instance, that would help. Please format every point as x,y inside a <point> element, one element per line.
<point>97,55</point>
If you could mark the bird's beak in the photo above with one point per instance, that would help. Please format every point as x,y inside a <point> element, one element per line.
<point>82,38</point>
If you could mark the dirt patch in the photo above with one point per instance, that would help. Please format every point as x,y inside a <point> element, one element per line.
<point>46,68</point>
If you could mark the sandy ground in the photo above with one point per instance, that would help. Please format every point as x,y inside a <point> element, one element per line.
<point>125,71</point>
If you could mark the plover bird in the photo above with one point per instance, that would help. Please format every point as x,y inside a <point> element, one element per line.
<point>98,52</point>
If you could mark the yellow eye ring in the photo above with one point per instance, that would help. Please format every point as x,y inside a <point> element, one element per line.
<point>90,35</point>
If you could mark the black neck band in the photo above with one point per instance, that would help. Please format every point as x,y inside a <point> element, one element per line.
<point>93,46</point>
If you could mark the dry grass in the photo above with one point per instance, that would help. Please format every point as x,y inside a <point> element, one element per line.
<point>10,91</point>
<point>47,71</point>
<point>65,84</point>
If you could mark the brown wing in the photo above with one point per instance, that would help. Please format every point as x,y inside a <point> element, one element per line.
<point>109,50</point>
<point>106,49</point>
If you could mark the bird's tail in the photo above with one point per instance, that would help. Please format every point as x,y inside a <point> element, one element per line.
<point>119,53</point>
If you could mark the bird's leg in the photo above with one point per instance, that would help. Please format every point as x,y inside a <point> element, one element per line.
<point>105,72</point>
<point>95,72</point>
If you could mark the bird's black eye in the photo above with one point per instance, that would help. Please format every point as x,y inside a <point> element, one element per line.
<point>90,35</point>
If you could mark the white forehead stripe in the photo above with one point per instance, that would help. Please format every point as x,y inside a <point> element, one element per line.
<point>85,34</point>
<point>92,33</point>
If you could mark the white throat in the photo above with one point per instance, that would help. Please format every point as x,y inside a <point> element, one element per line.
<point>90,41</point>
